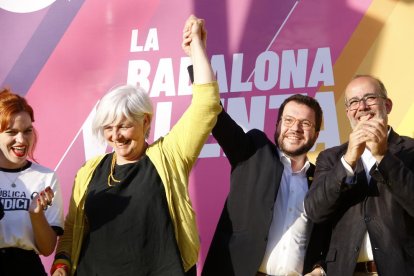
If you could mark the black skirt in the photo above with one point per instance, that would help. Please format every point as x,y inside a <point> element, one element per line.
<point>15,261</point>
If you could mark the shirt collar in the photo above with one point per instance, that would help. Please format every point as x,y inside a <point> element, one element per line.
<point>287,163</point>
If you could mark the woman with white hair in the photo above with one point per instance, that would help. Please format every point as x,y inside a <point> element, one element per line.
<point>130,212</point>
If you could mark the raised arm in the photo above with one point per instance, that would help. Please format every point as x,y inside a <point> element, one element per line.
<point>200,117</point>
<point>194,44</point>
<point>227,132</point>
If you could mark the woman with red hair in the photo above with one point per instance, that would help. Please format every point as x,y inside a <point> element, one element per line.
<point>31,223</point>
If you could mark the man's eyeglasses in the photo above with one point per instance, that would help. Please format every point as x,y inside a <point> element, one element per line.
<point>369,99</point>
<point>289,121</point>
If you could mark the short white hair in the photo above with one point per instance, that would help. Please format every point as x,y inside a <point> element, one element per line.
<point>126,100</point>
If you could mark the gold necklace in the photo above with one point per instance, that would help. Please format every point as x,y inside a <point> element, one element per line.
<point>111,177</point>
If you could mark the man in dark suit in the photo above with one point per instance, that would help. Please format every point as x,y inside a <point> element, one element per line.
<point>262,229</point>
<point>364,189</point>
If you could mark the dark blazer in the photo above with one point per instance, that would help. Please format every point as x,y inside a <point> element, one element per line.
<point>240,239</point>
<point>384,207</point>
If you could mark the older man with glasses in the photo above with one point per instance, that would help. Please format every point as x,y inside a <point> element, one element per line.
<point>364,190</point>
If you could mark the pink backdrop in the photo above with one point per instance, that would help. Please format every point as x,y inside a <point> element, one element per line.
<point>65,56</point>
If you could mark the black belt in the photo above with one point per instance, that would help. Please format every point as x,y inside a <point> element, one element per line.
<point>367,267</point>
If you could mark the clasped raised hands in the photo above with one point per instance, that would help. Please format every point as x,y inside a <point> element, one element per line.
<point>370,134</point>
<point>194,29</point>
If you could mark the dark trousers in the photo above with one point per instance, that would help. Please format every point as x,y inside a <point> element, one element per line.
<point>19,262</point>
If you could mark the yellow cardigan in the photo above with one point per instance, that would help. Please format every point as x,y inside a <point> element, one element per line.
<point>173,157</point>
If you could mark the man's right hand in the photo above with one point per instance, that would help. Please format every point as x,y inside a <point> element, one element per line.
<point>356,146</point>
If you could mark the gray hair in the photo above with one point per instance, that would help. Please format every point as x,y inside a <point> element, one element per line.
<point>126,100</point>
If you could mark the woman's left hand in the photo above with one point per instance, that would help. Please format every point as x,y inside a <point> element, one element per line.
<point>41,201</point>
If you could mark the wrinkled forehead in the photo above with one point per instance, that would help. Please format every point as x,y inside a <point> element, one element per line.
<point>359,87</point>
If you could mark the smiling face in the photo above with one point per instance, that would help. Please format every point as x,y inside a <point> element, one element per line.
<point>295,141</point>
<point>16,141</point>
<point>127,138</point>
<point>362,87</point>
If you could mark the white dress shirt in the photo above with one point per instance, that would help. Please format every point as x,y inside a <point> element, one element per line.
<point>368,160</point>
<point>290,229</point>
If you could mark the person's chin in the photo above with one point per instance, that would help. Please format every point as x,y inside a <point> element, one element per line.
<point>19,159</point>
<point>297,149</point>
<point>291,149</point>
<point>17,162</point>
<point>122,152</point>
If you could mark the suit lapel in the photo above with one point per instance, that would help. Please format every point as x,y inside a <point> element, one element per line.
<point>309,174</point>
<point>394,142</point>
<point>278,172</point>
